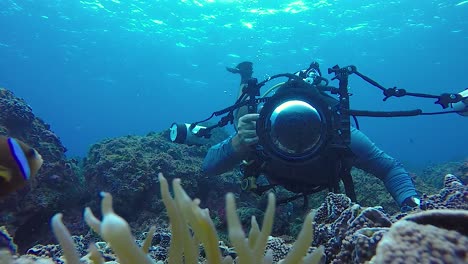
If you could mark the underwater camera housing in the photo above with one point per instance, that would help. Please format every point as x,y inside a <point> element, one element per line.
<point>298,122</point>
<point>302,118</point>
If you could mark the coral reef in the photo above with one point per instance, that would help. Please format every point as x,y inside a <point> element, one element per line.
<point>26,212</point>
<point>431,175</point>
<point>351,233</point>
<point>464,172</point>
<point>128,167</point>
<point>348,233</point>
<point>370,191</point>
<point>187,218</point>
<point>436,236</point>
<point>454,195</point>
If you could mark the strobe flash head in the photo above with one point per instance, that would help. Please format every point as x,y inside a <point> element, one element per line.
<point>181,133</point>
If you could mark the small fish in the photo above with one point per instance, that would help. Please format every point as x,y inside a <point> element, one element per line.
<point>19,163</point>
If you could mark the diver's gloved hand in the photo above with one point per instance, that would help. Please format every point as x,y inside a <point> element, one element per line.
<point>410,203</point>
<point>246,133</point>
<point>245,69</point>
<point>462,106</point>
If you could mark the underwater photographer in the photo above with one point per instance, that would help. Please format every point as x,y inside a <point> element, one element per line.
<point>299,136</point>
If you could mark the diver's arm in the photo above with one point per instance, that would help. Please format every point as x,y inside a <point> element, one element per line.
<point>221,158</point>
<point>225,155</point>
<point>373,160</point>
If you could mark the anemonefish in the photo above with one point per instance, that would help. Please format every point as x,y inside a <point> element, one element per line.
<point>19,163</point>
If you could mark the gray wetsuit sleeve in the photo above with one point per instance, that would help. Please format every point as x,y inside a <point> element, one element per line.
<point>220,158</point>
<point>373,160</point>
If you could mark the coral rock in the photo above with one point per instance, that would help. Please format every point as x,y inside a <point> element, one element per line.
<point>25,212</point>
<point>427,237</point>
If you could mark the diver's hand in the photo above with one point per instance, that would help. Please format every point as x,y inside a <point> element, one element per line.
<point>246,133</point>
<point>462,106</point>
<point>410,203</point>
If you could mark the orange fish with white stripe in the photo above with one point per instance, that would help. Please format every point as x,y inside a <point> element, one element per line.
<point>19,163</point>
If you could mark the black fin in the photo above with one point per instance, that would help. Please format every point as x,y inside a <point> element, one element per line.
<point>245,69</point>
<point>233,70</point>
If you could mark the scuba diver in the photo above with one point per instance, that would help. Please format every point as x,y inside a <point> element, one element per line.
<point>293,130</point>
<point>299,136</point>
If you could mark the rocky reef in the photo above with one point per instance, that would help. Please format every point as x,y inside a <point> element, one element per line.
<point>127,167</point>
<point>344,231</point>
<point>57,186</point>
<point>434,236</point>
<point>352,233</point>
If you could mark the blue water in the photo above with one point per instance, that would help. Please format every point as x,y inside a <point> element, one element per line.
<point>102,69</point>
